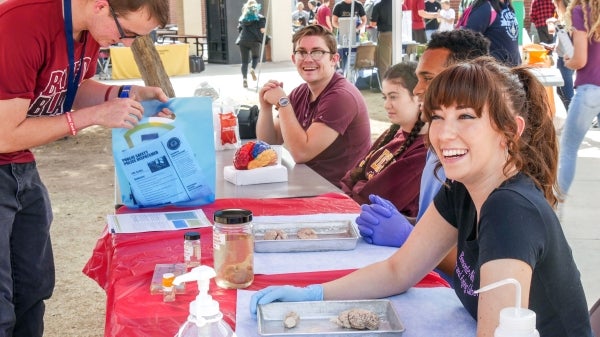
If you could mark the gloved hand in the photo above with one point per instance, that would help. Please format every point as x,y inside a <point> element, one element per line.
<point>381,224</point>
<point>270,294</point>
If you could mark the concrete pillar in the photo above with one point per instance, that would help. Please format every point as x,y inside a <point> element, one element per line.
<point>192,18</point>
<point>280,29</point>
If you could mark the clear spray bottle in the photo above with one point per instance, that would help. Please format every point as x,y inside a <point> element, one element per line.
<point>205,319</point>
<point>514,321</point>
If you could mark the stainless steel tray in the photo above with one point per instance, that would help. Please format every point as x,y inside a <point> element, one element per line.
<point>316,318</point>
<point>332,235</point>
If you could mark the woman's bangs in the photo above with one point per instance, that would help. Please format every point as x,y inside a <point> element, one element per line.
<point>460,85</point>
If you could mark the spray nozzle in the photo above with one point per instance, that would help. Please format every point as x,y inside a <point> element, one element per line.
<point>515,319</point>
<point>203,305</point>
<point>201,274</point>
<point>504,282</point>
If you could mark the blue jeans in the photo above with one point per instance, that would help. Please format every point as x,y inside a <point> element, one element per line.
<point>566,91</point>
<point>26,261</point>
<point>584,106</point>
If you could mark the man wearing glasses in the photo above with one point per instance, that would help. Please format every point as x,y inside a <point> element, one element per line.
<point>324,122</point>
<point>48,55</point>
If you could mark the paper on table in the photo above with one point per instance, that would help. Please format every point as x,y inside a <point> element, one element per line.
<point>423,312</point>
<point>159,221</point>
<point>362,255</point>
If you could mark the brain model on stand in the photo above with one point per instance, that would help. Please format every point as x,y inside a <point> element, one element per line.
<point>254,155</point>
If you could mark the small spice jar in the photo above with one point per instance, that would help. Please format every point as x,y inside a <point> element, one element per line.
<point>233,248</point>
<point>168,288</point>
<point>192,250</point>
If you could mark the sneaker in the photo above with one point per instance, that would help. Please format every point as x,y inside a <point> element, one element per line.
<point>245,83</point>
<point>253,74</point>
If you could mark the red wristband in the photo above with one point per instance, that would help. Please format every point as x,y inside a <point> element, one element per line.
<point>108,91</point>
<point>72,127</point>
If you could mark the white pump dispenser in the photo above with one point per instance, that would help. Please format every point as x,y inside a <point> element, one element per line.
<point>205,315</point>
<point>514,321</point>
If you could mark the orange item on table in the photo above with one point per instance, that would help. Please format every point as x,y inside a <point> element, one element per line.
<point>228,126</point>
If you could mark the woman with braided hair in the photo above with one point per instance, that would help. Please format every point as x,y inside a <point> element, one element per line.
<point>392,168</point>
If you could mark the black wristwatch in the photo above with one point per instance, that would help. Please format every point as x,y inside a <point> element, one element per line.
<point>283,102</point>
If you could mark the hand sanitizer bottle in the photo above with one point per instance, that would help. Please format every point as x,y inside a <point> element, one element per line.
<point>514,321</point>
<point>205,319</point>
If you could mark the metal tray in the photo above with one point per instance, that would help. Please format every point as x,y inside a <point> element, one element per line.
<point>316,318</point>
<point>332,235</point>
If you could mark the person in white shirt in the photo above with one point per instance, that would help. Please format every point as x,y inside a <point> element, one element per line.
<point>446,17</point>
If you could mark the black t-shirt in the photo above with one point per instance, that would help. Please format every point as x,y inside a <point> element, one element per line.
<point>432,7</point>
<point>517,222</point>
<point>382,14</point>
<point>342,9</point>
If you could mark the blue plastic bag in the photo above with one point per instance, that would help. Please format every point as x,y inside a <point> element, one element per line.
<point>165,161</point>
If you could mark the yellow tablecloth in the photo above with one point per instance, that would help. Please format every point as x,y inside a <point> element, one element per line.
<point>175,59</point>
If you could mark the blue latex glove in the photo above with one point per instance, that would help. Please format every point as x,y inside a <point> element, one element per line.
<point>381,224</point>
<point>270,294</point>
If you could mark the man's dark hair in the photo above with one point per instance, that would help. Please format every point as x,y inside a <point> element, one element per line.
<point>463,44</point>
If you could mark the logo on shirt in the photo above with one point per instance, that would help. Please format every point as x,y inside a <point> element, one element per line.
<point>508,20</point>
<point>50,100</point>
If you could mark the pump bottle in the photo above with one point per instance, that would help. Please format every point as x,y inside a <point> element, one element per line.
<point>514,321</point>
<point>205,319</point>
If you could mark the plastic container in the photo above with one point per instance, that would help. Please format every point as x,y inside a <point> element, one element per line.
<point>168,288</point>
<point>205,319</point>
<point>233,248</point>
<point>514,321</point>
<point>206,89</point>
<point>192,250</point>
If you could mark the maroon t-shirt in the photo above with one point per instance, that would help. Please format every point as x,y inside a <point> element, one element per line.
<point>323,12</point>
<point>397,180</point>
<point>33,59</point>
<point>341,107</point>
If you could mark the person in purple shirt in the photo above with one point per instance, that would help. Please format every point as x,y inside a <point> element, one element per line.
<point>324,122</point>
<point>585,104</point>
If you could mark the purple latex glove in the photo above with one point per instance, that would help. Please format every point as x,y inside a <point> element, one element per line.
<point>381,224</point>
<point>270,294</point>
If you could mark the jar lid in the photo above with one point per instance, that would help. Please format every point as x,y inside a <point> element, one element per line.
<point>233,216</point>
<point>191,236</point>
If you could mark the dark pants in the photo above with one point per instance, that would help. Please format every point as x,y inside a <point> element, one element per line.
<point>248,48</point>
<point>26,261</point>
<point>543,34</point>
<point>565,92</point>
<point>419,35</point>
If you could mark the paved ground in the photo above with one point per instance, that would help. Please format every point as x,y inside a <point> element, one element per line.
<point>581,212</point>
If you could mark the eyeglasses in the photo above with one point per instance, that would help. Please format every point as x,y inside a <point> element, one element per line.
<point>121,31</point>
<point>314,54</point>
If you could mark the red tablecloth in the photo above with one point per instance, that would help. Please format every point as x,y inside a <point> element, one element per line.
<point>123,264</point>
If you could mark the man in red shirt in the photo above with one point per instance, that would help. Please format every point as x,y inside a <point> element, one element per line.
<point>541,10</point>
<point>324,15</point>
<point>418,25</point>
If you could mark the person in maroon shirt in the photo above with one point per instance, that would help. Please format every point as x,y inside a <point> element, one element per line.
<point>324,122</point>
<point>417,8</point>
<point>324,15</point>
<point>49,50</point>
<point>392,169</point>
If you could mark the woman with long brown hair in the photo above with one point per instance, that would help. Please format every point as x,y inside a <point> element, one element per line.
<point>490,129</point>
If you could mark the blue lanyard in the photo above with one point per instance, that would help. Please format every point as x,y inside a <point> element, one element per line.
<point>72,80</point>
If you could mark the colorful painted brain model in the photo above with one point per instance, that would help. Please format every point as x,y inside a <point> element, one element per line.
<point>254,155</point>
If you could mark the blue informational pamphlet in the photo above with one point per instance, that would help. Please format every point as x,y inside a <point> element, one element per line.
<point>164,161</point>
